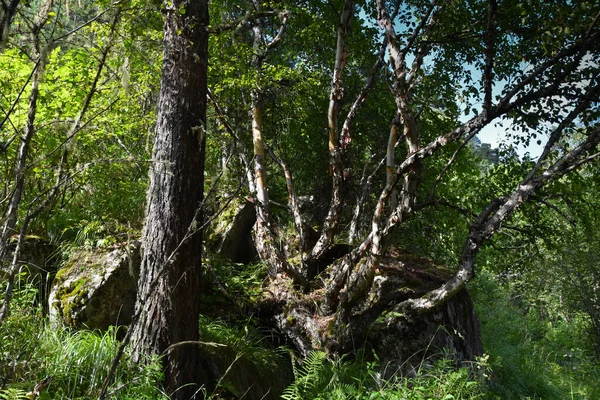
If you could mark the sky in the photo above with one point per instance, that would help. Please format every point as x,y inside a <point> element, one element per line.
<point>495,135</point>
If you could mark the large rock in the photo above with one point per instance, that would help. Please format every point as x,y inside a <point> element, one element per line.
<point>36,254</point>
<point>96,289</point>
<point>234,232</point>
<point>451,331</point>
<point>242,378</point>
<point>372,318</point>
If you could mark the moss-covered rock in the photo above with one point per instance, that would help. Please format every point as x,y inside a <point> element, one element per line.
<point>451,330</point>
<point>96,288</point>
<point>231,234</point>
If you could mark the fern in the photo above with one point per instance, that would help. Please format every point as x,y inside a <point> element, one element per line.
<point>323,378</point>
<point>13,394</point>
<point>307,378</point>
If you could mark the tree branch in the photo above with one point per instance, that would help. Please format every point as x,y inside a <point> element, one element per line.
<point>558,131</point>
<point>449,163</point>
<point>489,56</point>
<point>273,43</point>
<point>577,48</point>
<point>238,24</point>
<point>424,47</point>
<point>552,206</point>
<point>335,161</point>
<point>490,220</point>
<point>360,99</point>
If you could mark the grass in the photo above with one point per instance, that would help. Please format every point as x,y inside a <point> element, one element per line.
<point>529,357</point>
<point>77,361</point>
<point>533,357</point>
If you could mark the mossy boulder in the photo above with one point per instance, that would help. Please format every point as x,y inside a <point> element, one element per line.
<point>451,330</point>
<point>36,253</point>
<point>231,234</point>
<point>369,315</point>
<point>96,288</point>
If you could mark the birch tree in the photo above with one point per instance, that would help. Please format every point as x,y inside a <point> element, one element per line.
<point>438,59</point>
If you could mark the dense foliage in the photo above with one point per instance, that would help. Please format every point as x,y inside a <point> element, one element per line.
<point>79,82</point>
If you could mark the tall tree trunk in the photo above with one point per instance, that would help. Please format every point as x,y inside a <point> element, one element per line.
<point>168,289</point>
<point>262,189</point>
<point>267,237</point>
<point>335,157</point>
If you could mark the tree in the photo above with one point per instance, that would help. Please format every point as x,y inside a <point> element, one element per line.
<point>43,47</point>
<point>168,289</point>
<point>443,59</point>
<point>309,96</point>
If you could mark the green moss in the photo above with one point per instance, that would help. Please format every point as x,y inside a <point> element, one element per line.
<point>387,315</point>
<point>81,267</point>
<point>72,296</point>
<point>28,239</point>
<point>296,260</point>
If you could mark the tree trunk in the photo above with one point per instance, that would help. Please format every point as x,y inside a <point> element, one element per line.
<point>335,157</point>
<point>169,284</point>
<point>40,54</point>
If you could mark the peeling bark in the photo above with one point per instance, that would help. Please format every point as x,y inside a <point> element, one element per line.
<point>365,320</point>
<point>335,158</point>
<point>389,166</point>
<point>260,174</point>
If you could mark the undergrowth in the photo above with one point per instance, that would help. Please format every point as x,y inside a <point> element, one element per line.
<point>529,358</point>
<point>76,363</point>
<point>323,378</point>
<point>244,358</point>
<point>533,357</point>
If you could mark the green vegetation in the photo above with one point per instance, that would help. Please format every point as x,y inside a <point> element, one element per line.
<point>532,356</point>
<point>79,84</point>
<point>527,357</point>
<point>324,379</point>
<point>76,361</point>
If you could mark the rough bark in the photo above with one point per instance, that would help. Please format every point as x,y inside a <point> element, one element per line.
<point>169,284</point>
